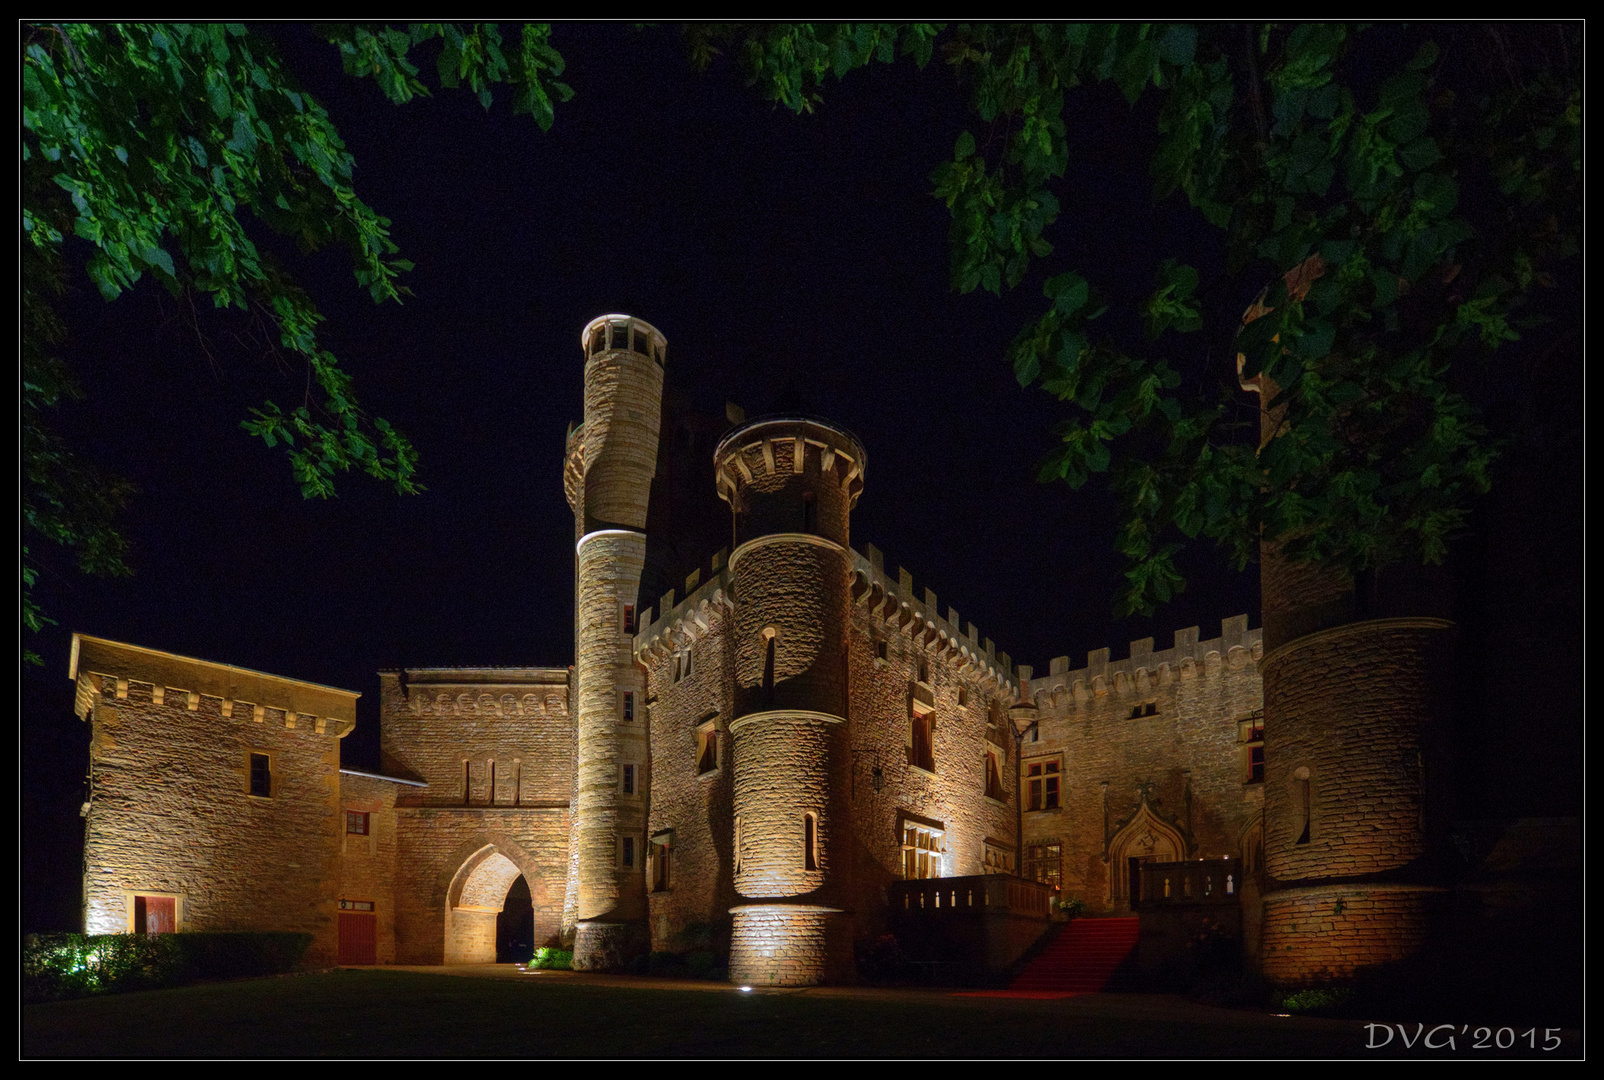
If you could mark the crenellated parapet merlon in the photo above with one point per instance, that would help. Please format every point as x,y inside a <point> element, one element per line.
<point>769,446</point>
<point>893,604</point>
<point>681,624</point>
<point>108,672</point>
<point>1138,675</point>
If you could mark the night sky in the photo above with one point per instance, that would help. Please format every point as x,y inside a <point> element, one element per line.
<point>795,262</point>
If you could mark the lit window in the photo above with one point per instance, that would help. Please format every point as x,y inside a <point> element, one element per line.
<point>1043,781</point>
<point>357,823</point>
<point>261,776</point>
<point>1250,733</point>
<point>706,749</point>
<point>1045,863</point>
<point>922,848</point>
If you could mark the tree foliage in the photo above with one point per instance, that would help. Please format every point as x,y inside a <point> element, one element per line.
<point>160,149</point>
<point>1337,177</point>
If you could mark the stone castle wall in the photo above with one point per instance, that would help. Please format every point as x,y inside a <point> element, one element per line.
<point>171,813</point>
<point>368,863</point>
<point>1187,755</point>
<point>455,729</point>
<point>692,807</point>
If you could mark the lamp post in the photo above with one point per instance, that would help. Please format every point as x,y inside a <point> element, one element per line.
<point>1022,716</point>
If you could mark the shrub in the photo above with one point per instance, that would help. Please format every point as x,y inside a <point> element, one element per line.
<point>550,959</point>
<point>1320,1001</point>
<point>56,966</point>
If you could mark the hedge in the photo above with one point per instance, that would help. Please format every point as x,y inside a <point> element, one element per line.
<point>56,966</point>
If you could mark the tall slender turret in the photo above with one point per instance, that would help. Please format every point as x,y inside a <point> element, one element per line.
<point>608,475</point>
<point>791,483</point>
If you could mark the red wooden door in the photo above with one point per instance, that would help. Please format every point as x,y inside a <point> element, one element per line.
<point>359,937</point>
<point>155,915</point>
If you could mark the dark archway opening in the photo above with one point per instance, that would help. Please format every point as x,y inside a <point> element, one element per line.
<point>515,925</point>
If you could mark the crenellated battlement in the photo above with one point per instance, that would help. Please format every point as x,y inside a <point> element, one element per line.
<point>1143,669</point>
<point>686,620</point>
<point>894,602</point>
<point>104,669</point>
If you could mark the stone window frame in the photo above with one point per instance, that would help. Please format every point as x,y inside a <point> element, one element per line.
<point>921,714</point>
<point>911,829</point>
<point>770,636</point>
<point>1036,864</point>
<point>626,852</point>
<point>882,652</point>
<point>367,822</point>
<point>252,752</point>
<point>629,779</point>
<point>996,793</point>
<point>660,862</point>
<point>1250,737</point>
<point>359,843</point>
<point>1025,783</point>
<point>707,739</point>
<point>129,896</point>
<point>1144,709</point>
<point>626,706</point>
<point>626,619</point>
<point>1301,781</point>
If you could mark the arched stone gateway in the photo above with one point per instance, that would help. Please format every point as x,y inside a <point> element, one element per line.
<point>475,898</point>
<point>1145,838</point>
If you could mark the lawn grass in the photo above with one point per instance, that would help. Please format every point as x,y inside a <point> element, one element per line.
<point>401,1014</point>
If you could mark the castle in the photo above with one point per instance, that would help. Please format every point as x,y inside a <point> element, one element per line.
<point>795,748</point>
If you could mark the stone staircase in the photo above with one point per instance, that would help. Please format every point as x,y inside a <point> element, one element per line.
<point>1082,959</point>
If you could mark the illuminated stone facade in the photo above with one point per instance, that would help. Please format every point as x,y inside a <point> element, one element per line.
<point>755,758</point>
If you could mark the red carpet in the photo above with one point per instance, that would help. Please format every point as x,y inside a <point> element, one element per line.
<point>1082,959</point>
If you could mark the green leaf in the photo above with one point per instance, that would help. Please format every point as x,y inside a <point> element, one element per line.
<point>1068,292</point>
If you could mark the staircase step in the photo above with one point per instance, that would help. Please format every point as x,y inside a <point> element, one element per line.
<point>1084,958</point>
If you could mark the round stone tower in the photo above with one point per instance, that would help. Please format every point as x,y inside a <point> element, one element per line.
<point>1356,791</point>
<point>608,476</point>
<point>791,483</point>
